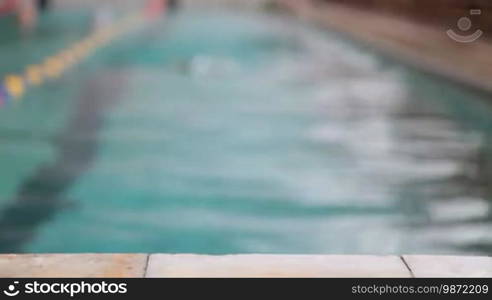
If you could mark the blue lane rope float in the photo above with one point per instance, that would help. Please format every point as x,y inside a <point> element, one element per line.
<point>14,86</point>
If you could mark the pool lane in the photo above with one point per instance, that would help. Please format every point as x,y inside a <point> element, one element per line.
<point>28,129</point>
<point>215,132</point>
<point>39,155</point>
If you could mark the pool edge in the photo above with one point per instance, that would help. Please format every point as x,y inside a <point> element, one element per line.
<point>241,266</point>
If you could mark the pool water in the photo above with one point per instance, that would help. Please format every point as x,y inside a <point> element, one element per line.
<point>224,132</point>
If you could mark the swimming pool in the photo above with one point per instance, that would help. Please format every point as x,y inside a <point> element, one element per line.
<point>224,132</point>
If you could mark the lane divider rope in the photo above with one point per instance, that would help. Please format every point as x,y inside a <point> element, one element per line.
<point>14,86</point>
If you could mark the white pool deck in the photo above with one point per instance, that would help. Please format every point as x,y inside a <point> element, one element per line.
<point>240,266</point>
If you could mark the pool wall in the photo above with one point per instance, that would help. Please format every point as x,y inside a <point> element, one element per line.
<point>426,47</point>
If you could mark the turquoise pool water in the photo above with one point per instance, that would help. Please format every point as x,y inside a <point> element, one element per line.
<point>225,132</point>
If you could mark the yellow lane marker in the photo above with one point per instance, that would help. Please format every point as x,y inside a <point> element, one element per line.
<point>34,75</point>
<point>14,85</point>
<point>54,66</point>
<point>79,50</point>
<point>67,58</point>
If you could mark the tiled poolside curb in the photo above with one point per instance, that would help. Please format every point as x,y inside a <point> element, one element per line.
<point>188,265</point>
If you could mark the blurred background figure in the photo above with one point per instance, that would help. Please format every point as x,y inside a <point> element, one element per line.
<point>26,11</point>
<point>7,6</point>
<point>173,4</point>
<point>156,8</point>
<point>43,4</point>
